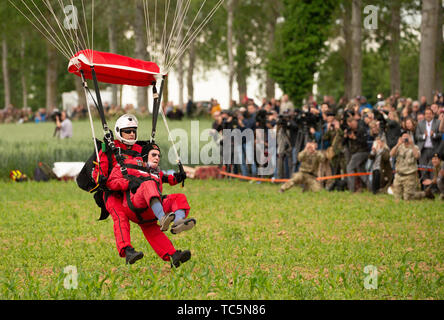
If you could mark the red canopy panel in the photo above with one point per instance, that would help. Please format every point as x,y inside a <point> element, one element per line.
<point>114,68</point>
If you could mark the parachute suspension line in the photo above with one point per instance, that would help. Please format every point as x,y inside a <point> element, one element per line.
<point>47,35</point>
<point>156,106</point>
<point>181,26</point>
<point>147,28</point>
<point>69,32</point>
<point>186,42</point>
<point>99,102</point>
<point>92,30</point>
<point>166,46</point>
<point>163,38</point>
<point>176,28</point>
<point>179,162</point>
<point>169,134</point>
<point>86,90</point>
<point>66,45</point>
<point>155,27</point>
<point>80,41</point>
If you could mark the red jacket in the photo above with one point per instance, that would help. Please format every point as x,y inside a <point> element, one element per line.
<point>137,168</point>
<point>104,162</point>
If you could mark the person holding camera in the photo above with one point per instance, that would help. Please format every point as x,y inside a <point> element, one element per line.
<point>284,147</point>
<point>310,159</point>
<point>433,179</point>
<point>382,174</point>
<point>336,154</point>
<point>428,137</point>
<point>63,126</point>
<point>356,139</point>
<point>406,177</point>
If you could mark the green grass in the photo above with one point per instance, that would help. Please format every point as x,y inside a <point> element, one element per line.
<point>249,243</point>
<point>22,146</point>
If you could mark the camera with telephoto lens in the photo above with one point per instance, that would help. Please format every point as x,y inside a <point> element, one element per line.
<point>261,119</point>
<point>226,122</point>
<point>284,121</point>
<point>304,119</point>
<point>56,113</point>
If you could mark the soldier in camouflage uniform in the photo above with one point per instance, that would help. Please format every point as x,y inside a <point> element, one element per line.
<point>405,185</point>
<point>338,162</point>
<point>440,180</point>
<point>310,160</point>
<point>434,179</point>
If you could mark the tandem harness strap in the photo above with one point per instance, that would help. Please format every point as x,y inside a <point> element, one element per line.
<point>108,136</point>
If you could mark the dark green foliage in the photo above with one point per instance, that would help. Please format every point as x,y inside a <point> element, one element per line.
<point>300,41</point>
<point>376,57</point>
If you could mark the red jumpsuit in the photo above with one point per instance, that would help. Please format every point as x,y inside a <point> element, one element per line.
<point>120,208</point>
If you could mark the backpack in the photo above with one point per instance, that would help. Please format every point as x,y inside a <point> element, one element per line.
<point>17,176</point>
<point>86,182</point>
<point>43,172</point>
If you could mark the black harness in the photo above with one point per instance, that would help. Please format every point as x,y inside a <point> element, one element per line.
<point>99,187</point>
<point>131,206</point>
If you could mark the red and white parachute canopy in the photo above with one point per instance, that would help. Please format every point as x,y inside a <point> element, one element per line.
<point>114,68</point>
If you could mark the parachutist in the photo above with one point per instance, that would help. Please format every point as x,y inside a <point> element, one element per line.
<point>135,194</point>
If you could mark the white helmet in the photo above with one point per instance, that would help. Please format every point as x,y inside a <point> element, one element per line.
<point>124,122</point>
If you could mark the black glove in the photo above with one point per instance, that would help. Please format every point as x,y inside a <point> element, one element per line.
<point>134,184</point>
<point>180,176</point>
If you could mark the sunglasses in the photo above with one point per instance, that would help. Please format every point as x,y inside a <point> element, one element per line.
<point>155,155</point>
<point>128,131</point>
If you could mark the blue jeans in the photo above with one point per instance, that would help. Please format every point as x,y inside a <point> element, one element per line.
<point>248,158</point>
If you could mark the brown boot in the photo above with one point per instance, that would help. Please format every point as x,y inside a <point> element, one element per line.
<point>429,194</point>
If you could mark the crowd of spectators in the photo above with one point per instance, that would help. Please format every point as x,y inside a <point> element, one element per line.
<point>355,136</point>
<point>12,114</point>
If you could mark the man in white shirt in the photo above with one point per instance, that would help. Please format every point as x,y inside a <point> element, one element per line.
<point>428,137</point>
<point>64,126</point>
<point>286,105</point>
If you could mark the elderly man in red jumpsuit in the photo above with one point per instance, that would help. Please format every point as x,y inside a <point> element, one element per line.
<point>138,197</point>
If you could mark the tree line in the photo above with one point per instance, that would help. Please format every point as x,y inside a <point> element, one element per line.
<point>283,42</point>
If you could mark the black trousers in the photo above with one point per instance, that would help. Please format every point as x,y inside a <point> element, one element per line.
<point>376,181</point>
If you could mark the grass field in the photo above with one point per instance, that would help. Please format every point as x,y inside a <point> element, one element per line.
<point>22,146</point>
<point>249,243</point>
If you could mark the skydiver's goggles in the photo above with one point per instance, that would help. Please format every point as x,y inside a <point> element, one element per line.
<point>129,130</point>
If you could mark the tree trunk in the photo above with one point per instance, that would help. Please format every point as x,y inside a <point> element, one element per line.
<point>356,49</point>
<point>140,50</point>
<point>6,80</point>
<point>427,59</point>
<point>80,92</point>
<point>112,39</point>
<point>395,34</point>
<point>231,71</point>
<point>120,94</point>
<point>180,75</point>
<point>190,73</point>
<point>269,82</point>
<point>241,70</point>
<point>439,51</point>
<point>51,78</point>
<point>22,73</point>
<point>165,98</point>
<point>348,78</point>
